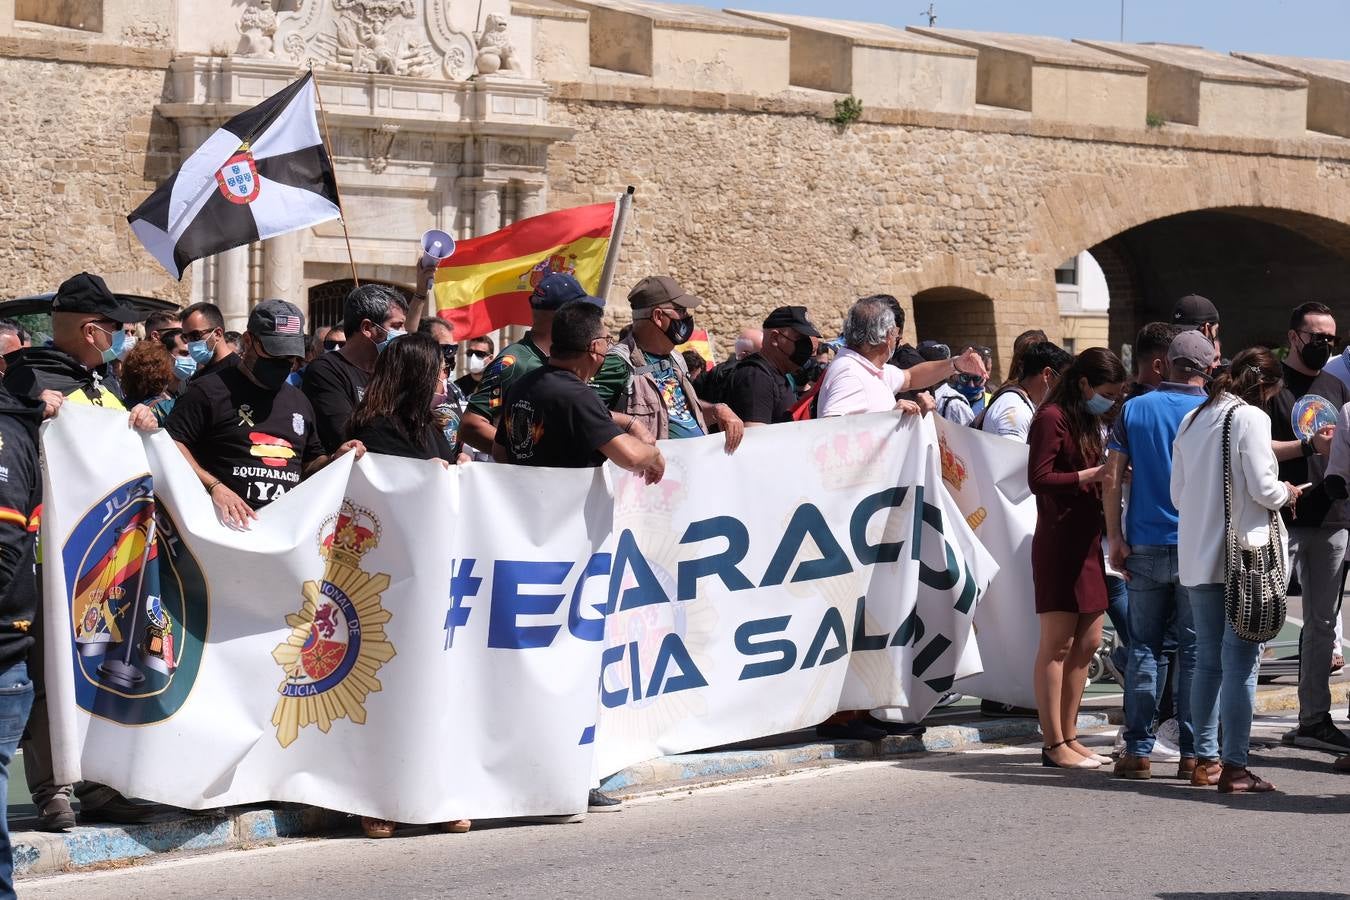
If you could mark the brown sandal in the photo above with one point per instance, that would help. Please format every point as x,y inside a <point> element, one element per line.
<point>458,826</point>
<point>378,828</point>
<point>1241,780</point>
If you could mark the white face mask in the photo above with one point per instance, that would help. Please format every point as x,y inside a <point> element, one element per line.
<point>476,365</point>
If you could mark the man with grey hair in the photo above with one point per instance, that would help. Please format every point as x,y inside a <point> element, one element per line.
<point>860,380</point>
<point>372,316</point>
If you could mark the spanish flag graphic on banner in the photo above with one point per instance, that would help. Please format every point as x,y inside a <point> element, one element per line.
<point>488,281</point>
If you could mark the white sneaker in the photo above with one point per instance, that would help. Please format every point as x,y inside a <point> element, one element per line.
<point>1167,742</point>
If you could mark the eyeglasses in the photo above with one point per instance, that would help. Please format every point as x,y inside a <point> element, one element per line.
<point>334,345</point>
<point>1314,337</point>
<point>448,352</point>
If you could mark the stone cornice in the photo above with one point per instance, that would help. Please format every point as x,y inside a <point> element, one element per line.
<point>1316,147</point>
<point>83,52</point>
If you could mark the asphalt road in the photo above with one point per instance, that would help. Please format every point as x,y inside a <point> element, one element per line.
<point>988,823</point>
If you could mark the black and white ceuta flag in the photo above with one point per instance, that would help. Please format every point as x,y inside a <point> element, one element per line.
<point>264,173</point>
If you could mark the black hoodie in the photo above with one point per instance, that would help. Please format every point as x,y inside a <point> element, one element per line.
<point>20,509</point>
<point>32,370</point>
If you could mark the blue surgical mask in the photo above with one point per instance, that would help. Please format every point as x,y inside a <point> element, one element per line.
<point>1098,405</point>
<point>969,391</point>
<point>184,367</point>
<point>390,335</point>
<point>120,345</point>
<point>200,352</point>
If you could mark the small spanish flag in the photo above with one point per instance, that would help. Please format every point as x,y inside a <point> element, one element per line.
<point>487,283</point>
<point>700,342</point>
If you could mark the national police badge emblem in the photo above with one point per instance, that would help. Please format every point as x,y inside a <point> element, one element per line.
<point>238,178</point>
<point>337,642</point>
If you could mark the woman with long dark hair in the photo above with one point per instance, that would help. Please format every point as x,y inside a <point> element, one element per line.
<point>1224,686</point>
<point>397,414</point>
<point>397,417</point>
<point>1065,473</point>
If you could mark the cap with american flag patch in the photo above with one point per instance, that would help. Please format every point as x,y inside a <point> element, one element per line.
<point>279,326</point>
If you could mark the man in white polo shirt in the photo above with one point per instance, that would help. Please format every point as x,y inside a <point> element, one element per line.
<point>861,381</point>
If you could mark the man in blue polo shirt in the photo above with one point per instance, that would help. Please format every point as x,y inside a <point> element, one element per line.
<point>1146,551</point>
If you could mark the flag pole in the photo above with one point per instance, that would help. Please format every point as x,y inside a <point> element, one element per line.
<point>612,256</point>
<point>342,216</point>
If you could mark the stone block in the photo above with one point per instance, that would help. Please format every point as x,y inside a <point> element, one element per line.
<point>1053,79</point>
<point>1328,88</point>
<point>1216,93</point>
<point>687,47</point>
<point>882,66</point>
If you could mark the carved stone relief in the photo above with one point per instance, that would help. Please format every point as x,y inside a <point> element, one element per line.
<point>412,38</point>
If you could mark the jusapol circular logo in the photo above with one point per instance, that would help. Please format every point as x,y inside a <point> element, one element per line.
<point>138,608</point>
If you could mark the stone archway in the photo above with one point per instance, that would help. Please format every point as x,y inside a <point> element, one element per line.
<point>956,316</point>
<point>326,299</point>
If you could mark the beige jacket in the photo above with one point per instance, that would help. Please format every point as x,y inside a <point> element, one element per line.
<point>643,399</point>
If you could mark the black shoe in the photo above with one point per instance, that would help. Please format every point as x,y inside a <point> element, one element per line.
<point>852,730</point>
<point>119,811</point>
<point>900,729</point>
<point>1322,736</point>
<point>1006,710</point>
<point>602,803</point>
<point>56,815</point>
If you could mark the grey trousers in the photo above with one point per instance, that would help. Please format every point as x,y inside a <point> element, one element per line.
<point>1317,555</point>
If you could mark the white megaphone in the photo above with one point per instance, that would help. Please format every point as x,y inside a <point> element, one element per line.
<point>436,246</point>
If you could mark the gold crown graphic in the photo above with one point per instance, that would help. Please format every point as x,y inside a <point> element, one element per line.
<point>953,467</point>
<point>354,532</point>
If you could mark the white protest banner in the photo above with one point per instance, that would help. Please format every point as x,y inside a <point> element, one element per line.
<point>368,648</point>
<point>987,477</point>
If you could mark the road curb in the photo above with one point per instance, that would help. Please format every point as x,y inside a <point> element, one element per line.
<point>701,769</point>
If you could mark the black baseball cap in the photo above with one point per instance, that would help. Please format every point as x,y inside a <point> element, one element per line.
<point>279,326</point>
<point>791,317</point>
<point>934,351</point>
<point>555,289</point>
<point>85,293</point>
<point>1192,311</point>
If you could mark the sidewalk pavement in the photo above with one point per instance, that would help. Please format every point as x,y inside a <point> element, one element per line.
<point>38,853</point>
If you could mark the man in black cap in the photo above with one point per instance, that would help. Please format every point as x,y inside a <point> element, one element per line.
<point>87,334</point>
<point>372,316</point>
<point>1196,312</point>
<point>479,427</point>
<point>248,435</point>
<point>760,392</point>
<point>645,378</point>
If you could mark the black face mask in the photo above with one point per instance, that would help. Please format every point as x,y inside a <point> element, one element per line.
<point>801,351</point>
<point>271,373</point>
<point>1315,355</point>
<point>680,330</point>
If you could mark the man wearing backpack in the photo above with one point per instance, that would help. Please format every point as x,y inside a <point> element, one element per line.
<point>1009,414</point>
<point>645,378</point>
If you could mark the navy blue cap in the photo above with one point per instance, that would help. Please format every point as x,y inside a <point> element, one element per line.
<point>554,290</point>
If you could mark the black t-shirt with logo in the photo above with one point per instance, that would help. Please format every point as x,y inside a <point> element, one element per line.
<point>334,387</point>
<point>256,442</point>
<point>552,418</point>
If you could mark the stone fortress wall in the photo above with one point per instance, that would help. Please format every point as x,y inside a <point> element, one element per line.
<point>979,162</point>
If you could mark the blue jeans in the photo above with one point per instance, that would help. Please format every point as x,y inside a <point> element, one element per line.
<point>16,699</point>
<point>1157,601</point>
<point>1225,680</point>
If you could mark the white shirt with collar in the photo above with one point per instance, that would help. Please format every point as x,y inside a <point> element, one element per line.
<point>853,384</point>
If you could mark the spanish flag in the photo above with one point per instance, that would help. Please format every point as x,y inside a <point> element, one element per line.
<point>701,342</point>
<point>487,283</point>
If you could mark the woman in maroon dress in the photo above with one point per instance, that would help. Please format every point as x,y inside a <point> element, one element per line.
<point>1064,471</point>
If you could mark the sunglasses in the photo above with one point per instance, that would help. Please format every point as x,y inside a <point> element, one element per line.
<point>448,352</point>
<point>334,345</point>
<point>478,354</point>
